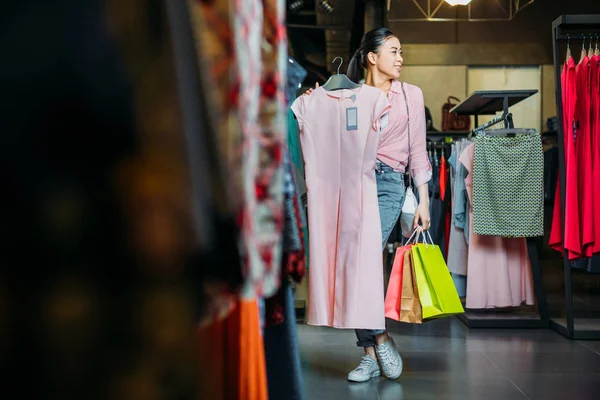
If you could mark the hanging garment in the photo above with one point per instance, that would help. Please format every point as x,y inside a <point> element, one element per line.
<point>292,233</point>
<point>457,248</point>
<point>499,267</point>
<point>446,204</point>
<point>436,203</point>
<point>235,349</point>
<point>295,76</point>
<point>284,373</point>
<point>571,233</point>
<point>214,34</point>
<point>293,260</point>
<point>595,128</point>
<point>339,136</point>
<point>508,186</point>
<point>550,173</point>
<point>461,209</point>
<point>297,160</point>
<point>293,141</point>
<point>583,147</point>
<point>262,51</point>
<point>443,176</point>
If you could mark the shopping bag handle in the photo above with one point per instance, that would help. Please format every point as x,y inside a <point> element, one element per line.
<point>417,233</point>
<point>412,236</point>
<point>425,238</point>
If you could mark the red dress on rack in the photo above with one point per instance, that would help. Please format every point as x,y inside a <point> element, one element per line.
<point>583,147</point>
<point>595,128</point>
<point>443,187</point>
<point>572,236</point>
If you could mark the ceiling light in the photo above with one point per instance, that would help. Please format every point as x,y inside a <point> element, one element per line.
<point>326,5</point>
<point>295,5</point>
<point>458,2</point>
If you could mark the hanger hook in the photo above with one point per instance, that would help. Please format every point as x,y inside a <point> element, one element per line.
<point>341,62</point>
<point>568,41</point>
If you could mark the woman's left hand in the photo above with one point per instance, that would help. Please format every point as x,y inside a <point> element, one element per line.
<point>422,216</point>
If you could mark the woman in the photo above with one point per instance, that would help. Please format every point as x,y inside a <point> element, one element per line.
<point>380,54</point>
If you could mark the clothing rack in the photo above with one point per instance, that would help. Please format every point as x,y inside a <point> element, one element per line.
<point>570,27</point>
<point>490,102</point>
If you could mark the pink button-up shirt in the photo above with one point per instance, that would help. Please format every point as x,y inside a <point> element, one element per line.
<point>393,143</point>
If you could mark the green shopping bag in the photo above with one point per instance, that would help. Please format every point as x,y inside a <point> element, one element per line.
<point>437,292</point>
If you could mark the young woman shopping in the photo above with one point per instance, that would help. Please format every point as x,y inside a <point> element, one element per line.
<point>380,54</point>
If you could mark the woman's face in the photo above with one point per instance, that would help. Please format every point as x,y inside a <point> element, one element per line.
<point>389,59</point>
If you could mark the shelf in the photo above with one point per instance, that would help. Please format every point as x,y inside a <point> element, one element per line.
<point>577,21</point>
<point>489,102</point>
<point>525,317</point>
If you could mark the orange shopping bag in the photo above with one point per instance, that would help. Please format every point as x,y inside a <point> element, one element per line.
<point>402,298</point>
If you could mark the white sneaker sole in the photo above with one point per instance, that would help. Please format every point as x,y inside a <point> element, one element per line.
<point>364,378</point>
<point>394,376</point>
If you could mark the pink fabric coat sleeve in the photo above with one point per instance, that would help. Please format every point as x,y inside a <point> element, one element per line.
<point>420,167</point>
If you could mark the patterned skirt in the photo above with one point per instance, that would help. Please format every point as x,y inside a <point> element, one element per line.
<point>508,186</point>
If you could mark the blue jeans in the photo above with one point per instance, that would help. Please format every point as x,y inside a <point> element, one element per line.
<point>390,194</point>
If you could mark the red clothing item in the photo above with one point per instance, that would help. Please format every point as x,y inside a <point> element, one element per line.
<point>572,233</point>
<point>443,188</point>
<point>556,231</point>
<point>595,127</point>
<point>443,177</point>
<point>583,147</point>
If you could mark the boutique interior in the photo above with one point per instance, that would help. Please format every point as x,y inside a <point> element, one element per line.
<point>157,220</point>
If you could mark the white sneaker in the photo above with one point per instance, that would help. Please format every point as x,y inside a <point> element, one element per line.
<point>367,369</point>
<point>390,359</point>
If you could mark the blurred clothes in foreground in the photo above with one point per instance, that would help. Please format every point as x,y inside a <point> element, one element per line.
<point>100,235</point>
<point>144,197</point>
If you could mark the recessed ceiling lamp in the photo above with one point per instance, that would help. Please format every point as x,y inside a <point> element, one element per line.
<point>295,5</point>
<point>458,2</point>
<point>326,5</point>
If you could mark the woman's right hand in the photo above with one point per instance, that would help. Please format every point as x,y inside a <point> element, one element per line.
<point>309,91</point>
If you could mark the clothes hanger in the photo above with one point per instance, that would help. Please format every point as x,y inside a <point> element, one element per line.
<point>509,132</point>
<point>339,81</point>
<point>590,53</point>
<point>597,51</point>
<point>583,52</point>
<point>568,48</point>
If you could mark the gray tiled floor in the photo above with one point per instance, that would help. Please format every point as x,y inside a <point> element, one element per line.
<point>444,360</point>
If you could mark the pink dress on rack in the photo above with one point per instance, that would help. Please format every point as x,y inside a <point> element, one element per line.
<point>499,271</point>
<point>339,134</point>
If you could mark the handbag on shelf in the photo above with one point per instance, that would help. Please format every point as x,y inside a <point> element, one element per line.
<point>453,121</point>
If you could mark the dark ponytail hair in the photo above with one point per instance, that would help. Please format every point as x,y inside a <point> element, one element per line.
<point>371,42</point>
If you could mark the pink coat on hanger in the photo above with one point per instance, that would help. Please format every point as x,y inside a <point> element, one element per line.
<point>339,135</point>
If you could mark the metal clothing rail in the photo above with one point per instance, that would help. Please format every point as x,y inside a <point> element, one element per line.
<point>506,118</point>
<point>570,27</point>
